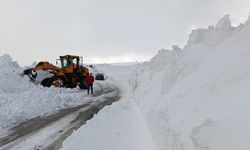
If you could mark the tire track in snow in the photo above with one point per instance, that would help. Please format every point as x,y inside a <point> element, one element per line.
<point>73,117</point>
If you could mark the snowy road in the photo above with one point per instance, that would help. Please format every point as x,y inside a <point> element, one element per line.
<point>49,132</point>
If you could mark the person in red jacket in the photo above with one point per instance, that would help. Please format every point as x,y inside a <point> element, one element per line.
<point>89,81</point>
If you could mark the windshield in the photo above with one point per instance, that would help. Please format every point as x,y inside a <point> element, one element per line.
<point>65,63</point>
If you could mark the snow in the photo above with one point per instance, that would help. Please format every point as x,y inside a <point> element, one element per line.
<point>120,126</point>
<point>196,98</point>
<point>41,138</point>
<point>224,24</point>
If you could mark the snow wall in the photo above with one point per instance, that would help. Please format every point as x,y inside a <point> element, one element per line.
<point>195,98</point>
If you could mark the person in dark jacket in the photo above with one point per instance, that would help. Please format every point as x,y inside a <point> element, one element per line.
<point>89,81</point>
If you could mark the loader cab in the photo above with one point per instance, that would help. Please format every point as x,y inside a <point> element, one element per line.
<point>71,63</point>
<point>68,60</point>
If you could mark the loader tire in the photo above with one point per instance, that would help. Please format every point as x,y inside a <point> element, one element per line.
<point>57,82</point>
<point>47,82</point>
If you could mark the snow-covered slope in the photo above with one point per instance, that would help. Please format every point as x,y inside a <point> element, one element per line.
<point>196,98</point>
<point>200,97</point>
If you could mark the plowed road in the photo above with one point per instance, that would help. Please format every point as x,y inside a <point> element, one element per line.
<point>49,132</point>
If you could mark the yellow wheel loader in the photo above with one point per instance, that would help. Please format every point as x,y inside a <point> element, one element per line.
<point>70,74</point>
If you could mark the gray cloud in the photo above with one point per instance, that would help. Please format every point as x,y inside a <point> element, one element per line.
<point>103,30</point>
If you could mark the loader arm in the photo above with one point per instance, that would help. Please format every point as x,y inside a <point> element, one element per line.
<point>46,66</point>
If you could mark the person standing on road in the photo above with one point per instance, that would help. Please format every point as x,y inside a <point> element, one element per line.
<point>89,82</point>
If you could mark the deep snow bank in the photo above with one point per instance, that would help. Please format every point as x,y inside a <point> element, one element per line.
<point>10,80</point>
<point>196,98</point>
<point>21,99</point>
<point>200,99</point>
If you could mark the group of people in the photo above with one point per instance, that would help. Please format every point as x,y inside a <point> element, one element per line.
<point>89,82</point>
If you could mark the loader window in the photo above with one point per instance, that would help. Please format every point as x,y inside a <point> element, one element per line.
<point>58,63</point>
<point>66,63</point>
<point>75,61</point>
<point>80,61</point>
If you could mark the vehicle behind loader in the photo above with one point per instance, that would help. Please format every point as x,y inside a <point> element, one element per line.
<point>70,74</point>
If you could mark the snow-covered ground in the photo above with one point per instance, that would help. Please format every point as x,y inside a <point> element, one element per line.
<point>195,98</point>
<point>120,126</point>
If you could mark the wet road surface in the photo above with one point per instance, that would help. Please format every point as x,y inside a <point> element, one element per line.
<point>65,122</point>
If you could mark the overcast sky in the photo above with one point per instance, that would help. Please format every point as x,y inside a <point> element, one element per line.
<point>105,30</point>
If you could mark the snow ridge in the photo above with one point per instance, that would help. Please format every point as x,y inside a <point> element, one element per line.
<point>197,89</point>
